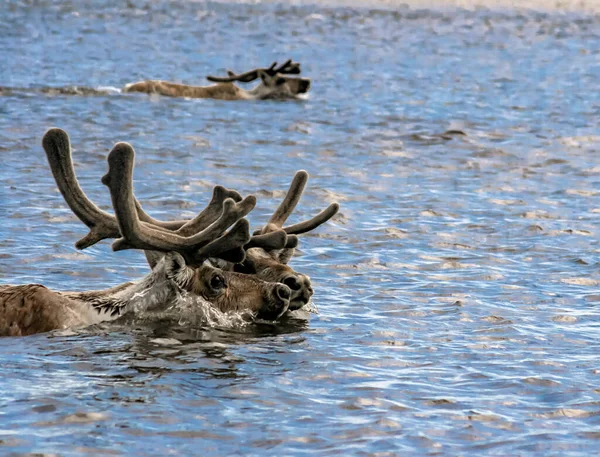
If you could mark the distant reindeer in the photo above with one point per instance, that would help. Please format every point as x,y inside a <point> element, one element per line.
<point>177,252</point>
<point>274,85</point>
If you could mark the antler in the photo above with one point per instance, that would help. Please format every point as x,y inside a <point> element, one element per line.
<point>104,225</point>
<point>101,224</point>
<point>276,239</point>
<point>201,221</point>
<point>288,68</point>
<point>210,242</point>
<point>287,206</point>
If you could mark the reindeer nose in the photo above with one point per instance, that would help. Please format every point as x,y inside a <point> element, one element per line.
<point>292,282</point>
<point>283,292</point>
<point>305,85</point>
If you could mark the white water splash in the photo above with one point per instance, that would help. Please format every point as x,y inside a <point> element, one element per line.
<point>310,307</point>
<point>194,310</point>
<point>109,89</point>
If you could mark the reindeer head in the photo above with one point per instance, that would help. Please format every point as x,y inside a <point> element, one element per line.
<point>274,82</point>
<point>280,87</point>
<point>179,247</point>
<point>270,263</point>
<point>226,290</point>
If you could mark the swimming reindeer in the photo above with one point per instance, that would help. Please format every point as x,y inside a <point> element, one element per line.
<point>274,84</point>
<point>176,251</point>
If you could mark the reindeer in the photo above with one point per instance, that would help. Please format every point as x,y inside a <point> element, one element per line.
<point>274,85</point>
<point>177,252</point>
<point>271,263</point>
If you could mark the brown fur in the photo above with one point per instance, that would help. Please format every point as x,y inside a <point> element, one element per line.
<point>221,91</point>
<point>269,87</point>
<point>271,266</point>
<point>29,309</point>
<point>261,297</point>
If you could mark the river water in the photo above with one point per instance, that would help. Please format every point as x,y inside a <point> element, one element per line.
<point>457,289</point>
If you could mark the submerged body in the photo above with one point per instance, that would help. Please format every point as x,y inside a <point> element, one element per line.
<point>179,252</point>
<point>33,308</point>
<point>277,87</point>
<point>221,91</point>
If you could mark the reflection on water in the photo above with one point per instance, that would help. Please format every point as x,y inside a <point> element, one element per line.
<point>457,290</point>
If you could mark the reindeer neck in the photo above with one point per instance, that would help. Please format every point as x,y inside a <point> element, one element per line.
<point>256,93</point>
<point>152,292</point>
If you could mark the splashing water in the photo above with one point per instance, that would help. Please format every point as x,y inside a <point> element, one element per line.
<point>195,311</point>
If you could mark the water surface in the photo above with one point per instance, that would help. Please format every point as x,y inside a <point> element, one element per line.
<point>457,290</point>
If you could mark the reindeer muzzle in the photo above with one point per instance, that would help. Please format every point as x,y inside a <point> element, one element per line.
<point>304,86</point>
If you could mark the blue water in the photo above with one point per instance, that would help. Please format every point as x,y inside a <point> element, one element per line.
<point>457,290</point>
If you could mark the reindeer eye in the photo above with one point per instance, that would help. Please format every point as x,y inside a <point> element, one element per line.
<point>217,282</point>
<point>280,81</point>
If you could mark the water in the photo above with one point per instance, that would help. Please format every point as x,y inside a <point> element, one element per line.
<point>457,290</point>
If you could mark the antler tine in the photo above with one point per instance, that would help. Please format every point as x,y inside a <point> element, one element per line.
<point>167,225</point>
<point>287,206</point>
<point>288,68</point>
<point>273,240</point>
<point>229,246</point>
<point>206,217</point>
<point>286,63</point>
<point>195,248</point>
<point>212,211</point>
<point>101,224</point>
<point>269,241</point>
<point>285,209</point>
<point>247,77</point>
<point>311,224</point>
<point>292,241</point>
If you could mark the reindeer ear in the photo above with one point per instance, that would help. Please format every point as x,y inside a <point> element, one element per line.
<point>177,271</point>
<point>153,257</point>
<point>266,79</point>
<point>285,255</point>
<point>248,266</point>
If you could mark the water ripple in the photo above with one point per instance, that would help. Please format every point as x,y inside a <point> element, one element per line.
<point>456,290</point>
